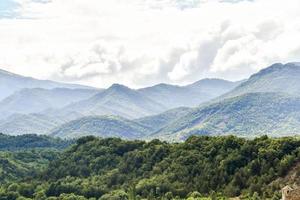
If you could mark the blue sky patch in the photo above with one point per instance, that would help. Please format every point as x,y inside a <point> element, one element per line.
<point>8,8</point>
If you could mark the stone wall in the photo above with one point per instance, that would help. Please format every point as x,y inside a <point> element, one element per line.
<point>289,193</point>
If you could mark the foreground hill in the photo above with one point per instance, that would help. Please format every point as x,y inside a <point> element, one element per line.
<point>249,115</point>
<point>107,169</point>
<point>18,165</point>
<point>117,100</point>
<point>10,83</point>
<point>37,100</point>
<point>26,156</point>
<point>23,142</point>
<point>172,96</point>
<point>101,126</point>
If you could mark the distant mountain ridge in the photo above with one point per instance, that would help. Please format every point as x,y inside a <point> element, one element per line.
<point>36,100</point>
<point>10,83</point>
<point>278,77</point>
<point>172,96</point>
<point>267,103</point>
<point>56,106</point>
<point>248,115</point>
<point>18,124</point>
<point>117,100</point>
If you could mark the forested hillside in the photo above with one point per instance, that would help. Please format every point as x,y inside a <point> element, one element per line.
<point>250,115</point>
<point>215,167</point>
<point>19,165</point>
<point>26,156</point>
<point>275,78</point>
<point>101,126</point>
<point>23,142</point>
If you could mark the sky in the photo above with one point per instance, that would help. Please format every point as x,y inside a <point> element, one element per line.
<point>145,42</point>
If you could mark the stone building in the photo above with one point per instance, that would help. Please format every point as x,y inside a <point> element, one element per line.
<point>289,193</point>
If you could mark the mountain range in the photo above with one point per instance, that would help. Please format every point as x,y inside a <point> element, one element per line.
<point>248,115</point>
<point>36,100</point>
<point>172,96</point>
<point>283,78</point>
<point>11,83</point>
<point>266,103</point>
<point>40,110</point>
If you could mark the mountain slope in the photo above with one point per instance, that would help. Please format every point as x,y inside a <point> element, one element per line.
<point>117,100</point>
<point>10,83</point>
<point>248,115</point>
<point>156,122</point>
<point>276,78</point>
<point>102,126</point>
<point>18,124</point>
<point>172,96</point>
<point>113,126</point>
<point>35,123</point>
<point>266,103</point>
<point>36,100</point>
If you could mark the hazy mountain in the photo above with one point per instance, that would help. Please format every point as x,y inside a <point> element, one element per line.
<point>36,100</point>
<point>117,100</point>
<point>18,124</point>
<point>192,95</point>
<point>156,122</point>
<point>114,126</point>
<point>102,126</point>
<point>10,83</point>
<point>267,103</point>
<point>248,115</point>
<point>276,78</point>
<point>35,123</point>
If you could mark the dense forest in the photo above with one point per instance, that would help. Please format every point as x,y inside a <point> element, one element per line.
<point>20,142</point>
<point>199,168</point>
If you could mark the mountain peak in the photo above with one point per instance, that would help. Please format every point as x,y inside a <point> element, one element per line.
<point>209,81</point>
<point>278,78</point>
<point>277,67</point>
<point>118,87</point>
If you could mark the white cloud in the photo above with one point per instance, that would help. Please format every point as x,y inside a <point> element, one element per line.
<point>143,42</point>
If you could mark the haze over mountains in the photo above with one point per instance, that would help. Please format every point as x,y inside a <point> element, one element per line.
<point>248,115</point>
<point>39,110</point>
<point>10,83</point>
<point>172,96</point>
<point>276,78</point>
<point>36,100</point>
<point>104,126</point>
<point>117,100</point>
<point>267,103</point>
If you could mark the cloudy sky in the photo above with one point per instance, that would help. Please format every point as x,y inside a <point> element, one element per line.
<point>145,42</point>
